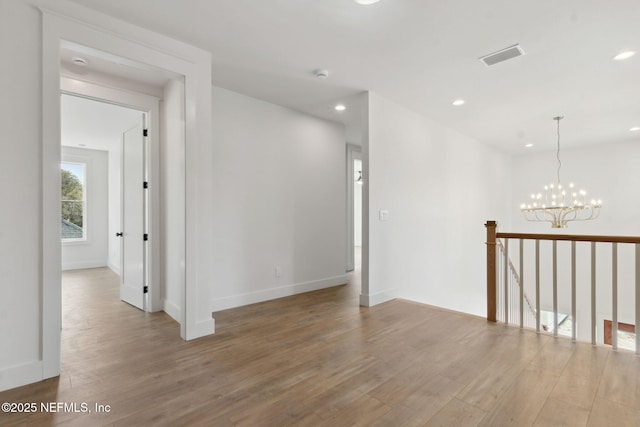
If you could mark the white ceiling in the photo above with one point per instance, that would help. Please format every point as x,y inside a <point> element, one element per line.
<point>424,54</point>
<point>86,123</point>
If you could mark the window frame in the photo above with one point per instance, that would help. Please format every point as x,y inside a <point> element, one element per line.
<point>85,166</point>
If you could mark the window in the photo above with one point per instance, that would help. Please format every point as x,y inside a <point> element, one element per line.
<point>73,198</point>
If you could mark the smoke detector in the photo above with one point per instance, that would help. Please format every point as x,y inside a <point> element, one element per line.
<point>502,55</point>
<point>321,73</point>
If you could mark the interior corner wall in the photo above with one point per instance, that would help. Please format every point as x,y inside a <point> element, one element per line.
<point>439,188</point>
<point>21,172</point>
<point>279,195</point>
<point>93,251</point>
<point>172,159</point>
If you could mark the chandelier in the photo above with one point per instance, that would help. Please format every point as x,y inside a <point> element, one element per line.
<point>558,204</point>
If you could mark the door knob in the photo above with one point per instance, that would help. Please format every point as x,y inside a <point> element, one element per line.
<point>118,234</point>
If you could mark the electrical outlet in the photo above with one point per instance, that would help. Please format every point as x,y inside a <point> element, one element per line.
<point>383,215</point>
<point>278,271</point>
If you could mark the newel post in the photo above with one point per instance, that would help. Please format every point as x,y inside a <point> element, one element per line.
<point>492,227</point>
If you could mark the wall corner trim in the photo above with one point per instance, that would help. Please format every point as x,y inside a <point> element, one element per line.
<point>370,300</point>
<point>202,329</point>
<point>20,375</point>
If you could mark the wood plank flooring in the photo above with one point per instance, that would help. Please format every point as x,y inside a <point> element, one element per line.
<point>318,359</point>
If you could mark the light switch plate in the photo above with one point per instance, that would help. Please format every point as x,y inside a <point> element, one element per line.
<point>383,215</point>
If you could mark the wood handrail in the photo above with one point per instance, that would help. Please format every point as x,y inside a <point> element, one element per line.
<point>570,237</point>
<point>493,235</point>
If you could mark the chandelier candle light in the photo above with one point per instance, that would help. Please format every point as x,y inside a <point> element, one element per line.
<point>559,205</point>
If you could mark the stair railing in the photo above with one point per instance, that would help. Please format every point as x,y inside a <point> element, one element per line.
<point>498,266</point>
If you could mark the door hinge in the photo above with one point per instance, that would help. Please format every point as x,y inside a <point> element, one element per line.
<point>145,237</point>
<point>145,290</point>
<point>145,132</point>
<point>145,185</point>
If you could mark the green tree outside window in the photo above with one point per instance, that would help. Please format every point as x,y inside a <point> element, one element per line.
<point>72,197</point>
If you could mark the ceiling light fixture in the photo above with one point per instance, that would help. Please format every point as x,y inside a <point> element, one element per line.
<point>635,128</point>
<point>321,73</point>
<point>366,2</point>
<point>340,107</point>
<point>529,145</point>
<point>79,61</point>
<point>458,102</point>
<point>624,55</point>
<point>559,205</point>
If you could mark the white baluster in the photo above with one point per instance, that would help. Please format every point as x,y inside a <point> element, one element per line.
<point>538,286</point>
<point>555,288</point>
<point>614,296</point>
<point>573,291</point>
<point>593,293</point>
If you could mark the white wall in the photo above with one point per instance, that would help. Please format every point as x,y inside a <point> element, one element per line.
<point>608,172</point>
<point>279,197</point>
<point>439,188</point>
<point>173,197</point>
<point>93,251</point>
<point>20,149</point>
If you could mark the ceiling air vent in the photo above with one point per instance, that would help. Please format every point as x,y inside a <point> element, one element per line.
<point>502,55</point>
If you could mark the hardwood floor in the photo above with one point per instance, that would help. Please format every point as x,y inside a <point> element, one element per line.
<point>318,359</point>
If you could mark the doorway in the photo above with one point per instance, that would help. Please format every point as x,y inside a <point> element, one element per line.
<point>104,203</point>
<point>66,26</point>
<point>355,180</point>
<point>357,214</point>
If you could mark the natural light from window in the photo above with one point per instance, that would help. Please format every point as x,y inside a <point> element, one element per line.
<point>73,201</point>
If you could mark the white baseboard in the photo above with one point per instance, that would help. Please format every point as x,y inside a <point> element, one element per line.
<point>240,300</point>
<point>114,268</point>
<point>172,310</point>
<point>202,329</point>
<point>20,375</point>
<point>377,298</point>
<point>80,265</point>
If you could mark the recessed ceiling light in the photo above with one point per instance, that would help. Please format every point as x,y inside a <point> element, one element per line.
<point>321,73</point>
<point>624,55</point>
<point>635,128</point>
<point>77,60</point>
<point>340,107</point>
<point>366,2</point>
<point>528,145</point>
<point>458,102</point>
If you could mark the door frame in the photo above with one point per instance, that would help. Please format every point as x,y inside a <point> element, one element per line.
<point>150,106</point>
<point>353,152</point>
<point>71,23</point>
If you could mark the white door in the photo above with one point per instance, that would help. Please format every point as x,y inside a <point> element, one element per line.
<point>133,273</point>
